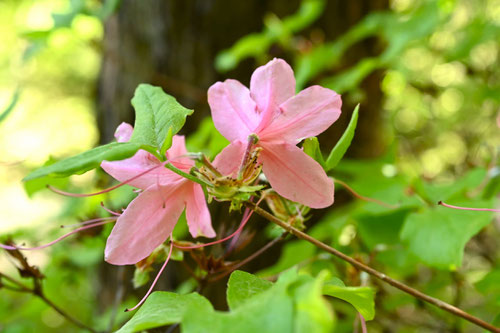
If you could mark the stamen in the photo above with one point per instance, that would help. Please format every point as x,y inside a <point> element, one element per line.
<point>14,247</point>
<point>156,278</point>
<point>81,195</point>
<point>469,208</point>
<point>361,197</point>
<point>236,237</point>
<point>109,210</point>
<point>242,225</point>
<point>79,224</point>
<point>252,139</point>
<point>363,323</point>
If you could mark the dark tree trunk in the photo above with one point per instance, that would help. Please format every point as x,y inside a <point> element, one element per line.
<point>173,44</point>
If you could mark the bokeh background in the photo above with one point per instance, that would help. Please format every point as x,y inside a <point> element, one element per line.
<point>426,75</point>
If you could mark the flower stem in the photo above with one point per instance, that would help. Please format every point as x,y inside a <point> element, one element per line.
<point>441,203</point>
<point>187,175</point>
<point>407,289</point>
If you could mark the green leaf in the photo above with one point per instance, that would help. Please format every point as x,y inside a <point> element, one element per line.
<point>38,184</point>
<point>362,298</point>
<point>164,308</point>
<point>86,161</point>
<point>311,148</point>
<point>269,311</point>
<point>443,192</point>
<point>489,285</point>
<point>376,229</point>
<point>345,141</point>
<point>158,116</point>
<point>242,286</point>
<point>438,236</point>
<point>276,30</point>
<point>167,143</point>
<point>312,312</point>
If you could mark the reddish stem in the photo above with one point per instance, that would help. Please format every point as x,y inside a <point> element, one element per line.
<point>469,208</point>
<point>156,278</point>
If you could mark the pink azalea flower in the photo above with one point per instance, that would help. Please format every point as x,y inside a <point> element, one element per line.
<point>150,218</point>
<point>280,119</point>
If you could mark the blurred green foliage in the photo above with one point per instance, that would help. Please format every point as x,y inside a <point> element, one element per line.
<point>440,83</point>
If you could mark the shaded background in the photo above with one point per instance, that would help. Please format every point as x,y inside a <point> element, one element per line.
<point>425,73</point>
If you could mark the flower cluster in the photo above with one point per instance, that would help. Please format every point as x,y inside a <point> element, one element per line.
<point>264,124</point>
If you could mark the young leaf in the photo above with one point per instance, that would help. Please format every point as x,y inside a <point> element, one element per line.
<point>362,298</point>
<point>158,116</point>
<point>242,286</point>
<point>86,161</point>
<point>164,308</point>
<point>311,148</point>
<point>345,141</point>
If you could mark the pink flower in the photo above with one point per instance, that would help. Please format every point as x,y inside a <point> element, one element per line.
<point>150,218</point>
<point>280,119</point>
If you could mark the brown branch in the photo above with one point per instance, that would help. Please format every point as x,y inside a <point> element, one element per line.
<point>413,292</point>
<point>37,291</point>
<point>248,259</point>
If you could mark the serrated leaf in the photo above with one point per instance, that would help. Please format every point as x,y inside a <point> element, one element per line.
<point>86,161</point>
<point>158,116</point>
<point>164,308</point>
<point>362,298</point>
<point>438,236</point>
<point>242,286</point>
<point>345,141</point>
<point>311,148</point>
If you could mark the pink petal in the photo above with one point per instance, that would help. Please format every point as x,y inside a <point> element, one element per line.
<point>228,161</point>
<point>177,153</point>
<point>123,132</point>
<point>307,114</point>
<point>142,161</point>
<point>270,86</point>
<point>144,225</point>
<point>233,110</point>
<point>197,213</point>
<point>296,176</point>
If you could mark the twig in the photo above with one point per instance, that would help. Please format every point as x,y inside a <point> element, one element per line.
<point>249,258</point>
<point>415,293</point>
<point>37,291</point>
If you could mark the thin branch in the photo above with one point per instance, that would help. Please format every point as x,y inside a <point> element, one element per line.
<point>64,314</point>
<point>415,293</point>
<point>249,258</point>
<point>37,291</point>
